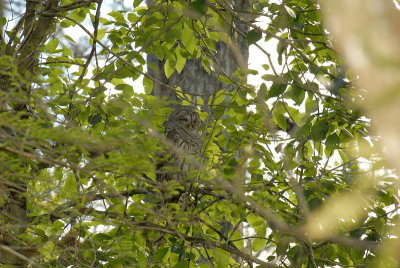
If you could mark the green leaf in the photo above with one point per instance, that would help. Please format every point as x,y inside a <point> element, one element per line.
<point>173,34</point>
<point>296,255</point>
<point>268,77</point>
<point>199,6</point>
<point>282,246</point>
<point>66,23</point>
<point>206,63</point>
<point>265,66</point>
<point>278,115</point>
<point>51,46</point>
<point>311,105</point>
<point>93,119</point>
<point>254,220</point>
<point>67,52</point>
<point>141,10</point>
<point>101,32</point>
<point>221,258</point>
<point>78,15</point>
<point>239,243</point>
<point>169,67</point>
<point>332,143</point>
<point>297,94</point>
<point>136,3</point>
<point>224,79</point>
<point>258,244</point>
<point>160,254</point>
<point>126,89</point>
<point>281,48</point>
<point>132,17</point>
<point>117,15</point>
<point>115,106</point>
<point>252,72</point>
<point>295,115</point>
<point>71,187</point>
<point>343,258</point>
<point>344,156</point>
<point>182,264</point>
<point>276,89</point>
<point>180,62</point>
<point>258,224</point>
<point>188,39</point>
<point>3,21</point>
<point>117,81</point>
<point>253,36</point>
<point>70,39</point>
<point>281,121</point>
<point>142,260</point>
<point>319,130</point>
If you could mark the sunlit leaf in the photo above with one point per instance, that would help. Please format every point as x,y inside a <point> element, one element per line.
<point>169,67</point>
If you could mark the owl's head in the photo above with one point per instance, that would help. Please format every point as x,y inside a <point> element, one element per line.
<point>185,117</point>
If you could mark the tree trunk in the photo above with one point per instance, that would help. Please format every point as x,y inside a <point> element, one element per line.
<point>193,79</point>
<point>33,29</point>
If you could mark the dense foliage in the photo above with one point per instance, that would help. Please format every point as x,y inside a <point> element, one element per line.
<point>289,175</point>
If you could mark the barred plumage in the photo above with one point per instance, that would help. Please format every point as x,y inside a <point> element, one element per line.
<point>181,130</point>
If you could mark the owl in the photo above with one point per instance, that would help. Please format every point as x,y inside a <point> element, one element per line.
<point>184,142</point>
<point>181,129</point>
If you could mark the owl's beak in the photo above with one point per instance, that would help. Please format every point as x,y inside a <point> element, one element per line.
<point>190,126</point>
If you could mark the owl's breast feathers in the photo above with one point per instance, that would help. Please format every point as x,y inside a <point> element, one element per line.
<point>190,141</point>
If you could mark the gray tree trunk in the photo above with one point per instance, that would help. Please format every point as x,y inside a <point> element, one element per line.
<point>193,79</point>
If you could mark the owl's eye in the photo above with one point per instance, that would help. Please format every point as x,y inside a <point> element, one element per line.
<point>182,119</point>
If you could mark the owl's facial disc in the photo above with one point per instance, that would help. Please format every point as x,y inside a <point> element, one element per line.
<point>187,119</point>
<point>185,122</point>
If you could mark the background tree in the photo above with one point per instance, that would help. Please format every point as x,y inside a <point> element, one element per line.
<point>198,75</point>
<point>289,175</point>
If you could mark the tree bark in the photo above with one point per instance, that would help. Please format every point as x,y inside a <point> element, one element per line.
<point>33,29</point>
<point>193,79</point>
